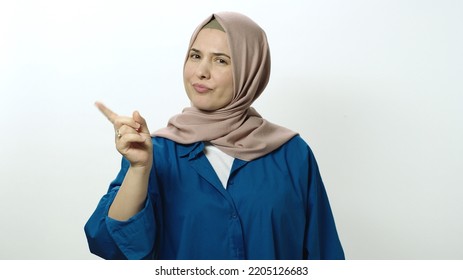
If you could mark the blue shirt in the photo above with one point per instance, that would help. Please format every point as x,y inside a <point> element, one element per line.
<point>274,207</point>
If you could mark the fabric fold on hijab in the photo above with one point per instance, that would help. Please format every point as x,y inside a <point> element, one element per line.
<point>237,129</point>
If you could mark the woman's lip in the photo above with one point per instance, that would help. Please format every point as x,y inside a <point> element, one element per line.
<point>201,88</point>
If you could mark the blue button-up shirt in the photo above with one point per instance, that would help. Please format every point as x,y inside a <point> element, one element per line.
<point>274,207</point>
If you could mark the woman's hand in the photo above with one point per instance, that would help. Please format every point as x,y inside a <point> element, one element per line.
<point>133,139</point>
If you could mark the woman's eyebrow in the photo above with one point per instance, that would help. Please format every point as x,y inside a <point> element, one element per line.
<point>222,54</point>
<point>215,54</point>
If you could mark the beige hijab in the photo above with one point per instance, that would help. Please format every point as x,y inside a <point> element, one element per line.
<point>236,129</point>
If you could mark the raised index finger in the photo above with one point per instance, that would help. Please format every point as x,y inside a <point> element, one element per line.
<point>106,111</point>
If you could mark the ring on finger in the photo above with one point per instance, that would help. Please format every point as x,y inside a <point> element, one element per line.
<point>118,133</point>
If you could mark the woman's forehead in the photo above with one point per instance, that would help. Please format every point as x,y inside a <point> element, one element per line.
<point>211,40</point>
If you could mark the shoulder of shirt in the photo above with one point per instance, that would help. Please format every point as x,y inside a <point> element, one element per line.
<point>166,141</point>
<point>296,142</point>
<point>295,149</point>
<point>168,146</point>
<point>158,139</point>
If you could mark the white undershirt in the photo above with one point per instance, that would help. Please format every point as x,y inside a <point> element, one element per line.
<point>220,161</point>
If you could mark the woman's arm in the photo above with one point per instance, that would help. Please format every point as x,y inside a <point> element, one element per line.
<point>322,240</point>
<point>133,141</point>
<point>131,197</point>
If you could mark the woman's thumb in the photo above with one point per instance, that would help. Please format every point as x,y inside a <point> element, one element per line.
<point>139,119</point>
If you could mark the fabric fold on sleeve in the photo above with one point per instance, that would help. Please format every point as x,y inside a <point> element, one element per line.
<point>115,240</point>
<point>135,237</point>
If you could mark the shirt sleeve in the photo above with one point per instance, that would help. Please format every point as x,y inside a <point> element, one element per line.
<point>322,241</point>
<point>112,239</point>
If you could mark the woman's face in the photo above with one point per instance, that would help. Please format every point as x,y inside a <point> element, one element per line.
<point>208,71</point>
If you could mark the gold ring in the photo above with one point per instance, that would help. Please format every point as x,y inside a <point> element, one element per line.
<point>118,133</point>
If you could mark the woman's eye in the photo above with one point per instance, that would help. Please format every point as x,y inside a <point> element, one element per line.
<point>194,56</point>
<point>221,61</point>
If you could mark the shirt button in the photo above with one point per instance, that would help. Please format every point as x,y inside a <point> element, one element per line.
<point>234,216</point>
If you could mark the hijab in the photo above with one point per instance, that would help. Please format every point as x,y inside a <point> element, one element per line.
<point>236,129</point>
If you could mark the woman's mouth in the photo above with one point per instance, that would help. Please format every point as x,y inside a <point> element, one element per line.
<point>201,88</point>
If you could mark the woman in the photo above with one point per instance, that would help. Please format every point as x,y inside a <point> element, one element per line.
<point>219,182</point>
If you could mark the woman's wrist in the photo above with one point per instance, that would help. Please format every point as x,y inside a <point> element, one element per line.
<point>143,170</point>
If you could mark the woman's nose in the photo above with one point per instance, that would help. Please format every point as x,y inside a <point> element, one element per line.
<point>203,71</point>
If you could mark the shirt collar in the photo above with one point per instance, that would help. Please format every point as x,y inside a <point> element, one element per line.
<point>191,150</point>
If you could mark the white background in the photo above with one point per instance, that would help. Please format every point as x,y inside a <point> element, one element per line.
<point>374,87</point>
